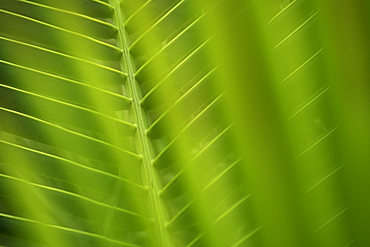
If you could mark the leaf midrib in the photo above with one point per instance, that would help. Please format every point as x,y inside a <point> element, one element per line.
<point>147,153</point>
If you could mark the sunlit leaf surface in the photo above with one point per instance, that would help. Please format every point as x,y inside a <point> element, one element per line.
<point>184,123</point>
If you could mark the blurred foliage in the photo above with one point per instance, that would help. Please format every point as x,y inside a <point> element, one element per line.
<point>184,123</point>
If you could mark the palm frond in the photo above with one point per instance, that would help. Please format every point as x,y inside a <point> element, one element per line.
<point>183,123</point>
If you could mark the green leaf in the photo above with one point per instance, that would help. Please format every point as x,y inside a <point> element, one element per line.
<point>184,123</point>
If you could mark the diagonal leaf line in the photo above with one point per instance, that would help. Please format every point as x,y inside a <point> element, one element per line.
<point>69,80</point>
<point>179,100</point>
<point>66,229</point>
<point>235,16</point>
<point>331,220</point>
<point>62,29</point>
<point>295,30</point>
<point>323,179</point>
<point>246,237</point>
<point>96,1</point>
<point>65,55</point>
<point>72,132</point>
<point>350,243</point>
<point>103,3</point>
<point>72,195</point>
<point>196,239</point>
<point>212,104</point>
<point>200,81</point>
<point>203,190</point>
<point>73,163</point>
<point>157,23</point>
<point>183,210</point>
<point>222,174</point>
<point>168,44</point>
<point>281,11</point>
<point>310,102</point>
<point>70,12</point>
<point>71,105</point>
<point>136,12</point>
<point>204,149</point>
<point>301,66</point>
<point>318,141</point>
<point>236,244</point>
<point>233,207</point>
<point>175,69</point>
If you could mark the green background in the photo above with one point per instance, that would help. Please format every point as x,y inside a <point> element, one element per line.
<point>184,123</point>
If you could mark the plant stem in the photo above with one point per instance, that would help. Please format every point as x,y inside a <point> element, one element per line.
<point>145,146</point>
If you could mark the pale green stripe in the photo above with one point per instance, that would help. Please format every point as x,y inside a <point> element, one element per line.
<point>67,229</point>
<point>73,195</point>
<point>72,106</point>
<point>295,30</point>
<point>72,132</point>
<point>175,69</point>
